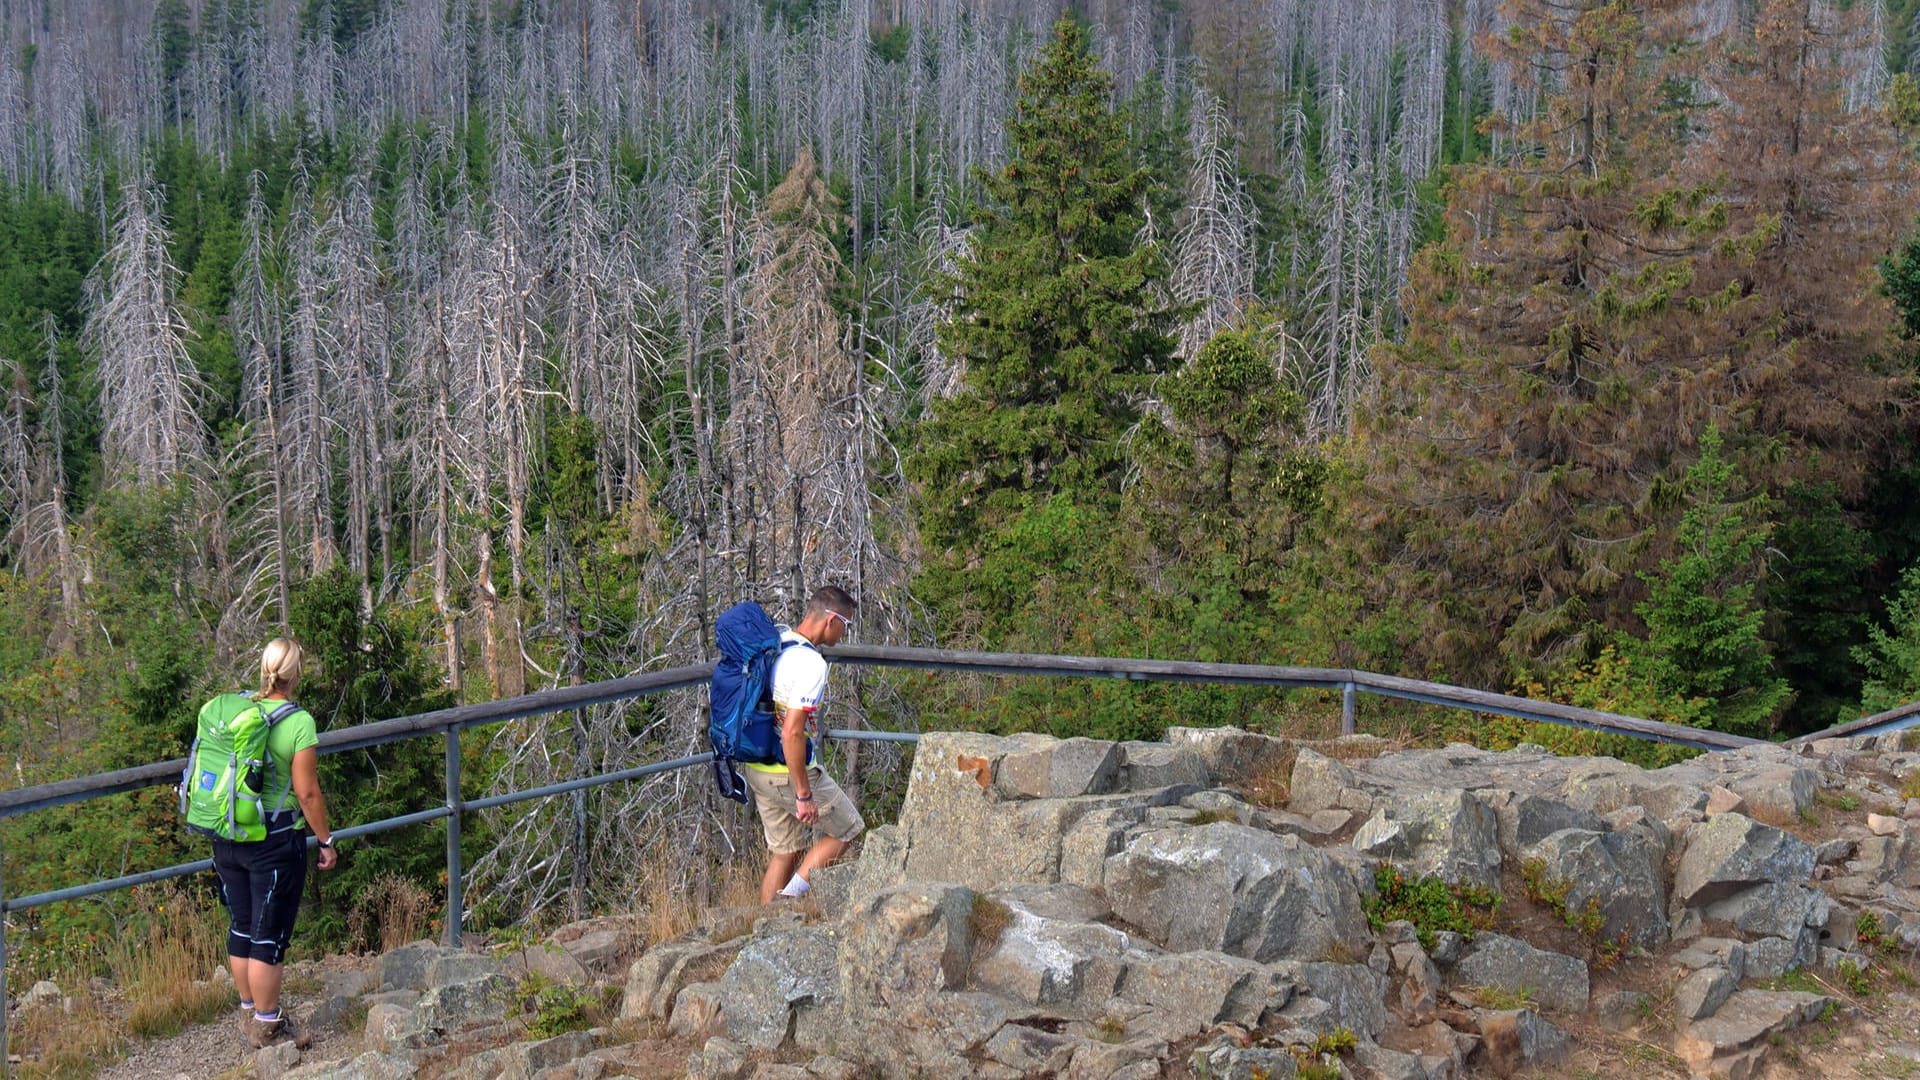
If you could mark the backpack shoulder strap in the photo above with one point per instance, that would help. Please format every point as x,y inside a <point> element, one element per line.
<point>286,709</point>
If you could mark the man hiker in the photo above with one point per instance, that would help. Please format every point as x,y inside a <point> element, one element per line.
<point>793,801</point>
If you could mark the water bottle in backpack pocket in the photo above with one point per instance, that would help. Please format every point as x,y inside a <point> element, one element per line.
<point>229,769</point>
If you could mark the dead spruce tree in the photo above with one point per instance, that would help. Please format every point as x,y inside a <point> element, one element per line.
<point>149,391</point>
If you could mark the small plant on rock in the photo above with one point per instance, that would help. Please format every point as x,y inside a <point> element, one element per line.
<point>557,1008</point>
<point>1321,1059</point>
<point>1430,904</point>
<point>1857,977</point>
<point>1586,920</point>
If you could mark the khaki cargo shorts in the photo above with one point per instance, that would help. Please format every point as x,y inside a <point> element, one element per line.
<point>786,834</point>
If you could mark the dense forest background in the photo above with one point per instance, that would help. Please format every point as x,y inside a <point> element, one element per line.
<point>486,346</point>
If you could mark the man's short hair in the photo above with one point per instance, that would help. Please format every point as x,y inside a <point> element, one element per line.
<point>831,598</point>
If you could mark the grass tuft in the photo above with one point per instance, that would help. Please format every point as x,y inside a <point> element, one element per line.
<point>987,920</point>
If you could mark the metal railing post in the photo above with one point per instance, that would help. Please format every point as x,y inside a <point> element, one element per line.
<point>454,901</point>
<point>5,1069</point>
<point>1349,708</point>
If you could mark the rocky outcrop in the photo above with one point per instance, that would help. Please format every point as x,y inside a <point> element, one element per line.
<point>1083,910</point>
<point>1072,908</point>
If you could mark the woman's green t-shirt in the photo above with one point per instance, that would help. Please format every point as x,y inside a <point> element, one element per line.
<point>291,734</point>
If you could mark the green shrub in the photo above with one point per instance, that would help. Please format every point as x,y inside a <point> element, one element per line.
<point>1430,904</point>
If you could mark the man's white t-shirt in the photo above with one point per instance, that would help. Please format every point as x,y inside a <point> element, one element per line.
<point>799,675</point>
<point>799,682</point>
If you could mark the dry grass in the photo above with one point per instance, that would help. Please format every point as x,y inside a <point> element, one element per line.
<point>1360,747</point>
<point>56,1045</point>
<point>987,920</point>
<point>392,912</point>
<point>165,971</point>
<point>1910,785</point>
<point>1272,789</point>
<point>665,907</point>
<point>162,970</point>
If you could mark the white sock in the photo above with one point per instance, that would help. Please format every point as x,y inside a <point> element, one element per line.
<point>797,887</point>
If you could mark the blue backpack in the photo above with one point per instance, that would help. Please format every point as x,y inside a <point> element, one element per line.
<point>740,721</point>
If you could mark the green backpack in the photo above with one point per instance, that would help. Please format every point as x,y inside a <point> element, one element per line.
<point>229,769</point>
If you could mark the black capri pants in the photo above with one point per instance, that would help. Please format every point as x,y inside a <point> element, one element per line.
<point>260,884</point>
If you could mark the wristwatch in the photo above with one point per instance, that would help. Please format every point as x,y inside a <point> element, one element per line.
<point>327,843</point>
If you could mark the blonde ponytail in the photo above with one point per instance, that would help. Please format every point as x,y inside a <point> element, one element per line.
<point>280,665</point>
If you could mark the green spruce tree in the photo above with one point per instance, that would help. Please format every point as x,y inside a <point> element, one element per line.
<point>1892,653</point>
<point>1058,321</point>
<point>1702,612</point>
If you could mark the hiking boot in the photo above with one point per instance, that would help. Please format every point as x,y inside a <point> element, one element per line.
<point>262,1033</point>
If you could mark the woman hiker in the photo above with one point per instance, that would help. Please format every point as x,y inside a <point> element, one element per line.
<point>260,881</point>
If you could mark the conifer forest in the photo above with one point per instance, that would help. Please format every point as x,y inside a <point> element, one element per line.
<point>1566,349</point>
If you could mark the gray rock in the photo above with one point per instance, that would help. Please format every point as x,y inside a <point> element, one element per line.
<point>274,1061</point>
<point>1150,765</point>
<point>392,1027</point>
<point>1620,1010</point>
<point>698,1012</point>
<point>1088,843</point>
<point>368,1066</point>
<point>523,1060</point>
<point>1232,756</point>
<point>455,967</point>
<point>1045,961</point>
<point>1318,782</point>
<point>1238,890</point>
<point>43,994</point>
<point>659,974</point>
<point>882,863</point>
<point>828,1067</point>
<point>1375,1062</point>
<point>1701,994</point>
<point>1512,1040</point>
<point>1103,1061</point>
<point>901,944</point>
<point>1449,834</point>
<point>1200,989</point>
<point>1048,768</point>
<point>831,886</point>
<point>772,975</point>
<point>1743,1024</point>
<point>953,794</point>
<point>1772,957</point>
<point>1713,953</point>
<point>1030,1050</point>
<point>1556,981</point>
<point>1618,871</point>
<point>1773,909</point>
<point>1354,993</point>
<point>1227,1060</point>
<point>465,1005</point>
<point>1525,819</point>
<point>405,968</point>
<point>720,1059</point>
<point>776,1071</point>
<point>1784,791</point>
<point>1834,852</point>
<point>1727,854</point>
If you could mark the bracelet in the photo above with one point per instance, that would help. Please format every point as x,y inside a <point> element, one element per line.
<point>803,798</point>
